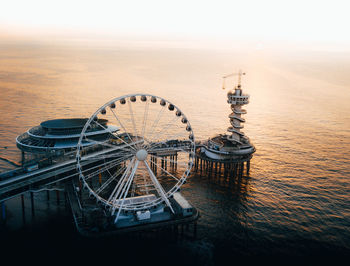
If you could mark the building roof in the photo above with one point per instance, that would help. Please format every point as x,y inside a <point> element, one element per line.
<point>60,134</point>
<point>68,123</point>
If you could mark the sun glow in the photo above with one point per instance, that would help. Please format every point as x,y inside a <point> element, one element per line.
<point>260,21</point>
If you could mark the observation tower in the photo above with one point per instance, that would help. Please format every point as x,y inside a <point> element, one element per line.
<point>237,99</point>
<point>234,147</point>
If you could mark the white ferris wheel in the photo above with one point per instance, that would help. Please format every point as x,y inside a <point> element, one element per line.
<point>144,157</point>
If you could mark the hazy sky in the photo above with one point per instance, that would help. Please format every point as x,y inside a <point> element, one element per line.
<point>314,22</point>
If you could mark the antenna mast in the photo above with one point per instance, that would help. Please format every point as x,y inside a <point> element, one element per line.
<point>239,74</point>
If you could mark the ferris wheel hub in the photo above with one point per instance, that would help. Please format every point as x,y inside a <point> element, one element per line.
<point>141,155</point>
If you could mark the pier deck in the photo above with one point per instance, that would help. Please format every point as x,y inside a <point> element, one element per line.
<point>84,228</point>
<point>23,182</point>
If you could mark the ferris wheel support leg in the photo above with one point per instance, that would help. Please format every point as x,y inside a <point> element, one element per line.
<point>119,186</point>
<point>159,187</point>
<point>126,191</point>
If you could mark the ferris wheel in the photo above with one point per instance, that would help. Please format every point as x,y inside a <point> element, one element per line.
<point>144,156</point>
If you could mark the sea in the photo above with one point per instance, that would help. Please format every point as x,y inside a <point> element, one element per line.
<point>294,204</point>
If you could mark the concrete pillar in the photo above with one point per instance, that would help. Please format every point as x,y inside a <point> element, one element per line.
<point>3,211</point>
<point>32,202</point>
<point>58,197</point>
<point>176,161</point>
<point>22,203</point>
<point>231,169</point>
<point>248,167</point>
<point>65,199</point>
<point>235,169</point>
<point>195,230</point>
<point>156,165</point>
<point>241,169</point>
<point>23,159</point>
<point>23,209</point>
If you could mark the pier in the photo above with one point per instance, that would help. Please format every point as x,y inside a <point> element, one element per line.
<point>14,183</point>
<point>88,218</point>
<point>121,181</point>
<point>64,177</point>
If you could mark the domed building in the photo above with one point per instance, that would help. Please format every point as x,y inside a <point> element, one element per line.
<point>59,137</point>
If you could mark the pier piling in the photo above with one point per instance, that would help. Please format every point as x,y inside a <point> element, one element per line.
<point>58,197</point>
<point>3,211</point>
<point>248,167</point>
<point>32,202</point>
<point>227,169</point>
<point>23,206</point>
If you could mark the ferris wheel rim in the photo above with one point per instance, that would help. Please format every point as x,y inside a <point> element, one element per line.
<point>168,193</point>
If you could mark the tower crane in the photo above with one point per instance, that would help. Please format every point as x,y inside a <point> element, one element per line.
<point>239,74</point>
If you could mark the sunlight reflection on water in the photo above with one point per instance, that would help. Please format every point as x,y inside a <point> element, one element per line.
<point>299,181</point>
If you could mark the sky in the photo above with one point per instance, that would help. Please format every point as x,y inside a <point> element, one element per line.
<point>300,22</point>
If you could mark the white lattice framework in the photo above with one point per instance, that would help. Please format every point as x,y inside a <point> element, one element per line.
<point>132,161</point>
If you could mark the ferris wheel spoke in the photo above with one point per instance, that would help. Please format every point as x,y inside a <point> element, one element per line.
<point>158,187</point>
<point>109,180</point>
<point>105,168</point>
<point>165,171</point>
<point>99,158</point>
<point>166,128</point>
<point>121,124</point>
<point>132,118</point>
<point>86,177</point>
<point>103,143</point>
<point>131,177</point>
<point>149,144</point>
<point>97,142</point>
<point>116,135</point>
<point>144,123</point>
<point>156,120</point>
<point>174,136</point>
<point>105,154</point>
<point>120,159</point>
<point>118,155</point>
<point>120,184</point>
